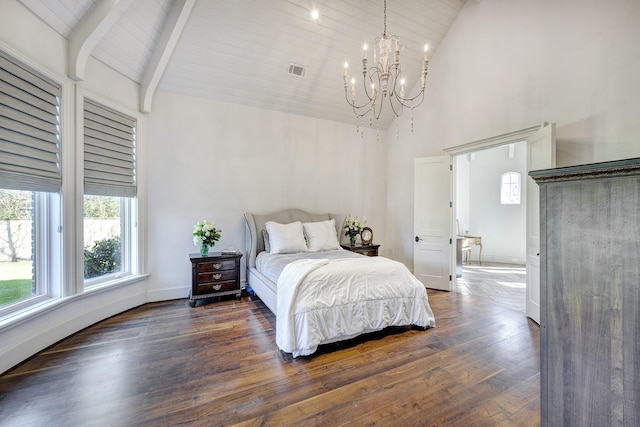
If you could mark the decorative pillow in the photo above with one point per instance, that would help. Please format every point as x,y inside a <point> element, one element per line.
<point>265,237</point>
<point>321,236</point>
<point>286,238</point>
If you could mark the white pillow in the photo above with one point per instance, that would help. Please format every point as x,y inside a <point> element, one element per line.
<point>286,238</point>
<point>321,236</point>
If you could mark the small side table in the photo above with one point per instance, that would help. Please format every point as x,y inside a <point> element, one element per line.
<point>368,250</point>
<point>473,240</point>
<point>214,275</point>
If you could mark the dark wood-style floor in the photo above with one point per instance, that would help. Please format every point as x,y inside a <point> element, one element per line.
<point>166,364</point>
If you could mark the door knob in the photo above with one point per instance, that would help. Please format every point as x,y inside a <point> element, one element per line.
<point>418,239</point>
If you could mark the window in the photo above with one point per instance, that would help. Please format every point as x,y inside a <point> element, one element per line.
<point>30,183</point>
<point>510,188</point>
<point>109,193</point>
<point>17,280</point>
<point>102,236</point>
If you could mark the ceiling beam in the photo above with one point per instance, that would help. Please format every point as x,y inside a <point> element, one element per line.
<point>166,44</point>
<point>89,32</point>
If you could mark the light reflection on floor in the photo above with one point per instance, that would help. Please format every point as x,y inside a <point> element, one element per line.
<point>503,283</point>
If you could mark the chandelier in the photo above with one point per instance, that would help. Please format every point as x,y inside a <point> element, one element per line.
<point>383,80</point>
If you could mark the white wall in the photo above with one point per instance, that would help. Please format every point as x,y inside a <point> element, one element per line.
<point>463,192</point>
<point>509,64</point>
<point>216,161</point>
<point>502,227</point>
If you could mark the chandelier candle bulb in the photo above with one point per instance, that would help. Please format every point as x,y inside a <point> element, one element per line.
<point>364,51</point>
<point>353,90</point>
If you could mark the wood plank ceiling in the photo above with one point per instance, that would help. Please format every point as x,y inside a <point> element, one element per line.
<point>239,51</point>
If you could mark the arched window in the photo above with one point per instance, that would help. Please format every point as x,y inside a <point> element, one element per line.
<point>510,188</point>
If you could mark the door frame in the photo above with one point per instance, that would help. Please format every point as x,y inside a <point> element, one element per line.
<point>470,147</point>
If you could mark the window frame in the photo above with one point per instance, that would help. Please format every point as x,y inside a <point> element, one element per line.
<point>48,215</point>
<point>131,234</point>
<point>511,183</point>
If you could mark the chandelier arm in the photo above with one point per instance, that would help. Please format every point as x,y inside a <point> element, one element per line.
<point>421,93</point>
<point>393,108</point>
<point>364,86</point>
<point>397,75</point>
<point>379,110</point>
<point>356,108</point>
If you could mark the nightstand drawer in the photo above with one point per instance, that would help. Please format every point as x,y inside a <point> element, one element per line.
<point>207,288</point>
<point>368,250</point>
<point>214,275</point>
<point>217,276</point>
<point>203,267</point>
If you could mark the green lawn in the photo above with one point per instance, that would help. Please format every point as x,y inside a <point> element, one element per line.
<point>15,281</point>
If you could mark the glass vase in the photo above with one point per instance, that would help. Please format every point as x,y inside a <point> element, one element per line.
<point>204,250</point>
<point>352,239</point>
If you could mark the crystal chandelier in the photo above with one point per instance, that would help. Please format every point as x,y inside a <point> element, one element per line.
<point>383,81</point>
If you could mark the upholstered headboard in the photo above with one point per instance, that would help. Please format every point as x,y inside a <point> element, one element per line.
<point>255,225</point>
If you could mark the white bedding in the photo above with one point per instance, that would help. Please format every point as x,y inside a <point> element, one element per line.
<point>323,300</point>
<point>271,265</point>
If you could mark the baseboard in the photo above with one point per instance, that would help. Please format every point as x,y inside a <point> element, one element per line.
<point>155,295</point>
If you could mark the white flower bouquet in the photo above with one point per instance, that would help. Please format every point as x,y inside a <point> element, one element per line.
<point>205,234</point>
<point>352,227</point>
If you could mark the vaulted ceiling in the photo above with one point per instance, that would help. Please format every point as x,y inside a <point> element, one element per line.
<point>240,50</point>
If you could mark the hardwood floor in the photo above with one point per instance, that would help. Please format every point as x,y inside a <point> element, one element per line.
<point>504,284</point>
<point>166,364</point>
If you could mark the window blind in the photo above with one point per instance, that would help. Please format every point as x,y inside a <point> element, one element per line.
<point>29,128</point>
<point>109,152</point>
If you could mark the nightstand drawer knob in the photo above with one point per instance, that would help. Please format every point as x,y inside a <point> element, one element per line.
<point>217,276</point>
<point>217,266</point>
<point>217,287</point>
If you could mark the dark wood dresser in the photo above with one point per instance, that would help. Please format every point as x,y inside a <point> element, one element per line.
<point>368,250</point>
<point>590,294</point>
<point>214,275</point>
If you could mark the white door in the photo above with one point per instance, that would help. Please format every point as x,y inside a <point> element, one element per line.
<point>541,154</point>
<point>432,222</point>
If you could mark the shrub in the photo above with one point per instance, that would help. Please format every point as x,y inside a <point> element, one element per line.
<point>104,257</point>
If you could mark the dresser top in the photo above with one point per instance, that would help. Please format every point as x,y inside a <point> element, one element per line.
<point>593,170</point>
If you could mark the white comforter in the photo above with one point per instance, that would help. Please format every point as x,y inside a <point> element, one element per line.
<point>322,301</point>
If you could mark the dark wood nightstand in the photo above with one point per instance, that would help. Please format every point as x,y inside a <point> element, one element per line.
<point>368,250</point>
<point>214,275</point>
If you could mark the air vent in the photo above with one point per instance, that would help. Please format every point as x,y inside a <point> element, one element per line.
<point>297,70</point>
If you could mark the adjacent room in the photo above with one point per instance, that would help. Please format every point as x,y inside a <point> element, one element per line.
<point>144,144</point>
<point>491,209</point>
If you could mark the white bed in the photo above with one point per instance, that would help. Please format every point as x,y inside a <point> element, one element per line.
<point>326,294</point>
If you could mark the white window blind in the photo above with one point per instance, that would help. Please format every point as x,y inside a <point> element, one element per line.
<point>29,128</point>
<point>109,152</point>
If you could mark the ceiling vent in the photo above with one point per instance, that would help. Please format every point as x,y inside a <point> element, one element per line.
<point>297,70</point>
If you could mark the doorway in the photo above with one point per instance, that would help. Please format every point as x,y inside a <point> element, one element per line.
<point>490,212</point>
<point>540,154</point>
